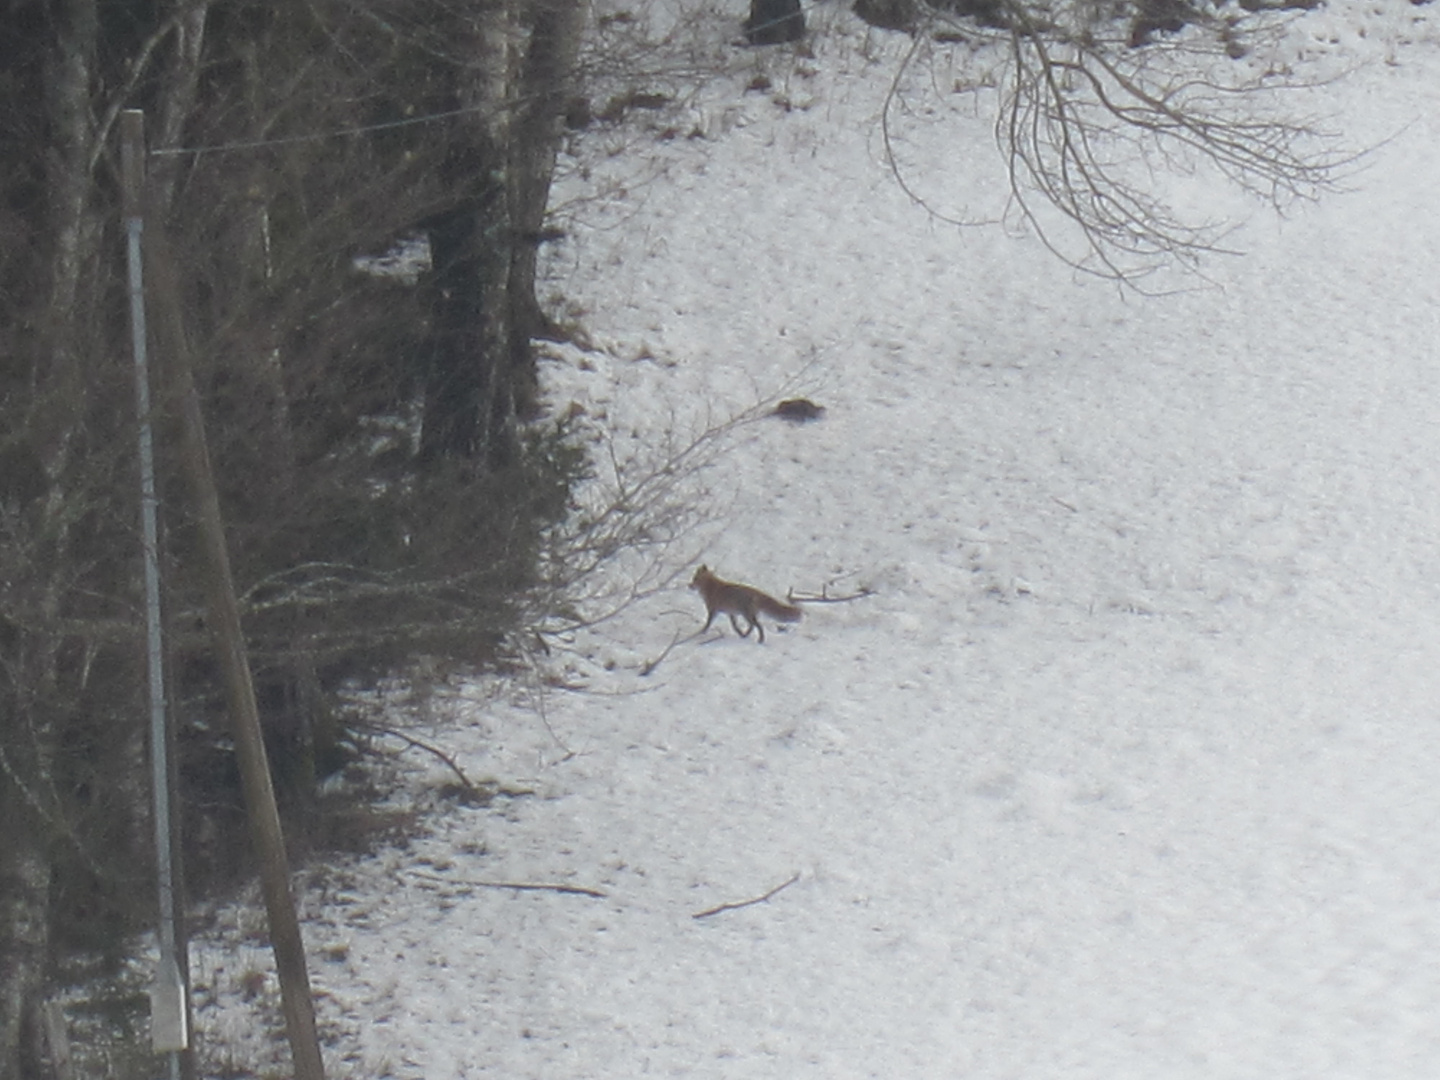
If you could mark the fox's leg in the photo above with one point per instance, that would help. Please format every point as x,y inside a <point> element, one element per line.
<point>710,617</point>
<point>752,622</point>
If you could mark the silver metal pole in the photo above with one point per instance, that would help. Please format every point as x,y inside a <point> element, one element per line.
<point>168,1020</point>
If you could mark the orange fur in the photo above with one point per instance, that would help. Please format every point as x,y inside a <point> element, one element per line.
<point>734,599</point>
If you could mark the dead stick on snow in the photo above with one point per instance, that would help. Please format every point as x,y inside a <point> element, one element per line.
<point>524,886</point>
<point>651,665</point>
<point>419,744</point>
<point>745,903</point>
<point>825,598</point>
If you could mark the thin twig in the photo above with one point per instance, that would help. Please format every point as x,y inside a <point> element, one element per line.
<point>650,665</point>
<point>522,886</point>
<point>745,903</point>
<point>471,790</point>
<point>537,691</point>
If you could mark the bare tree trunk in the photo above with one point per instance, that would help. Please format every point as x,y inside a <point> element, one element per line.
<point>546,82</point>
<point>73,226</point>
<point>177,104</point>
<point>482,378</point>
<point>468,402</point>
<point>464,325</point>
<point>24,930</point>
<point>70,76</point>
<point>54,416</point>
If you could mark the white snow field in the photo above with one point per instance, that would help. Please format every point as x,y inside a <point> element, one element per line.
<point>1127,766</point>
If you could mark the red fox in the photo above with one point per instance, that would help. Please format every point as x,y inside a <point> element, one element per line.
<point>734,599</point>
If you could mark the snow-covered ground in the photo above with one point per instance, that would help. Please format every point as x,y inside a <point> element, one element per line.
<point>1126,767</point>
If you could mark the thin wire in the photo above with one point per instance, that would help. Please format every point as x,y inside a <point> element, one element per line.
<point>288,140</point>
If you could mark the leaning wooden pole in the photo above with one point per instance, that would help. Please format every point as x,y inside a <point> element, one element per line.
<point>224,612</point>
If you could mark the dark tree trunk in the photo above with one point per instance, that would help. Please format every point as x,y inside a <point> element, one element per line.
<point>464,358</point>
<point>24,931</point>
<point>481,377</point>
<point>32,682</point>
<point>774,22</point>
<point>468,410</point>
<point>452,376</point>
<point>546,85</point>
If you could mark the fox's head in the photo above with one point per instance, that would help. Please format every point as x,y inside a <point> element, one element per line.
<point>701,575</point>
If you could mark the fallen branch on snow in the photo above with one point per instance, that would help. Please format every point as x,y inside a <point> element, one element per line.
<point>523,886</point>
<point>825,598</point>
<point>735,905</point>
<point>472,792</point>
<point>650,665</point>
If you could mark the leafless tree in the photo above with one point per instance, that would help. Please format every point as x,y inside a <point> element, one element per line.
<point>1095,104</point>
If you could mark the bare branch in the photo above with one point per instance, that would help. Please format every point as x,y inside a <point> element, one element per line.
<point>518,886</point>
<point>650,665</point>
<point>475,794</point>
<point>825,598</point>
<point>1087,122</point>
<point>737,904</point>
<point>646,504</point>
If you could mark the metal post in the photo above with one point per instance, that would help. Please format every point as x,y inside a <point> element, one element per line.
<point>168,1015</point>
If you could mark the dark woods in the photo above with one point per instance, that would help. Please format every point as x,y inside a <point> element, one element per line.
<point>339,231</point>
